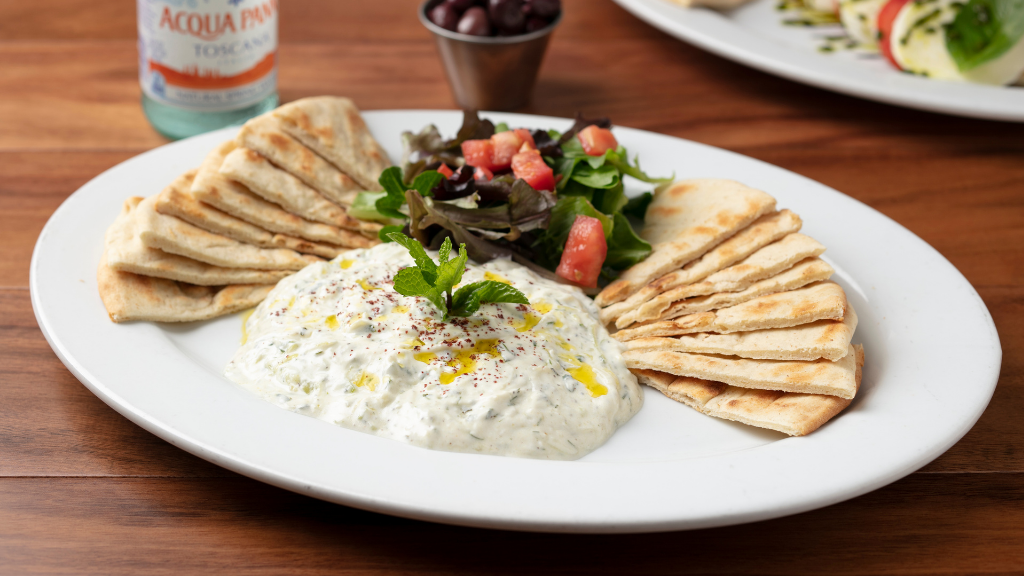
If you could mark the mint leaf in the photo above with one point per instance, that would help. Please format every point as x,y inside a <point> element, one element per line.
<point>425,264</point>
<point>385,233</point>
<point>467,300</point>
<point>425,182</point>
<point>445,251</point>
<point>450,273</point>
<point>391,181</point>
<point>410,282</point>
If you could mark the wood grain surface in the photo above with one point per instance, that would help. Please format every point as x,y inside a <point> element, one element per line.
<point>83,490</point>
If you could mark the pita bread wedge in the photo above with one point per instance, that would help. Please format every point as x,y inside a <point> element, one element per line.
<point>819,301</point>
<point>176,236</point>
<point>786,412</point>
<point>210,187</point>
<point>763,231</point>
<point>817,377</point>
<point>265,135</point>
<point>806,272</point>
<point>275,185</point>
<point>683,222</point>
<point>764,263</point>
<point>125,252</point>
<point>177,200</point>
<point>130,297</point>
<point>827,339</point>
<point>333,128</point>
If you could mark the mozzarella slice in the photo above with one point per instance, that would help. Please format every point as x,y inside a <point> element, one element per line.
<point>919,46</point>
<point>860,18</point>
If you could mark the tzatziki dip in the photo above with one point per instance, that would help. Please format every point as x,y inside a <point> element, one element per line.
<point>336,342</point>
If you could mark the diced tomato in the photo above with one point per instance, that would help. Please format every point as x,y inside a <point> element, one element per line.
<point>886,17</point>
<point>479,153</point>
<point>596,141</point>
<point>525,136</point>
<point>530,166</point>
<point>506,145</point>
<point>444,169</point>
<point>584,252</point>
<point>483,174</point>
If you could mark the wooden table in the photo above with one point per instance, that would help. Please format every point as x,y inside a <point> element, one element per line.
<point>83,490</point>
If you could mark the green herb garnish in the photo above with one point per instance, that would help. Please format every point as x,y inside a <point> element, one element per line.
<point>391,181</point>
<point>435,281</point>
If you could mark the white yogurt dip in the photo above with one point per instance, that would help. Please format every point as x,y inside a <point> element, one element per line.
<point>337,343</point>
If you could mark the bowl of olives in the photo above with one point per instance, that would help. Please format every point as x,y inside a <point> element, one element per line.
<point>491,49</point>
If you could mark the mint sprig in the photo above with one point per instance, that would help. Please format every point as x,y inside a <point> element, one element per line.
<point>435,281</point>
<point>391,181</point>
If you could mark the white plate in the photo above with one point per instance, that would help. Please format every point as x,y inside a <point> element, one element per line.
<point>933,357</point>
<point>754,35</point>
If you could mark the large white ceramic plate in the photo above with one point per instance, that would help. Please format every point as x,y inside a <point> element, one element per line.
<point>933,357</point>
<point>754,35</point>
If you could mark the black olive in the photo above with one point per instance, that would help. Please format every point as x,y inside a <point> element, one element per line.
<point>444,16</point>
<point>460,6</point>
<point>507,15</point>
<point>544,8</point>
<point>475,23</point>
<point>534,23</point>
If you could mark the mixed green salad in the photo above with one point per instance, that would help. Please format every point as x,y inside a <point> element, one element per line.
<point>552,201</point>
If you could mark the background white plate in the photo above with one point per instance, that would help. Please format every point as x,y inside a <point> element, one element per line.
<point>754,35</point>
<point>933,357</point>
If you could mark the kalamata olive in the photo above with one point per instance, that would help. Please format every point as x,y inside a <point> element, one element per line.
<point>534,23</point>
<point>460,6</point>
<point>544,8</point>
<point>444,16</point>
<point>475,23</point>
<point>507,15</point>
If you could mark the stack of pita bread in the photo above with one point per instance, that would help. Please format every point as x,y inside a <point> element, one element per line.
<point>270,202</point>
<point>733,312</point>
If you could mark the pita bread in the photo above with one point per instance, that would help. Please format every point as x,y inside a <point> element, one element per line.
<point>176,236</point>
<point>786,412</point>
<point>333,128</point>
<point>125,252</point>
<point>817,377</point>
<point>177,200</point>
<point>820,301</point>
<point>274,185</point>
<point>764,263</point>
<point>763,231</point>
<point>804,273</point>
<point>130,297</point>
<point>210,187</point>
<point>264,135</point>
<point>827,339</point>
<point>683,222</point>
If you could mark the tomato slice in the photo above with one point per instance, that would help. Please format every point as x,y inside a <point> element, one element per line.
<point>525,136</point>
<point>584,252</point>
<point>479,153</point>
<point>596,141</point>
<point>444,169</point>
<point>483,174</point>
<point>886,17</point>
<point>506,145</point>
<point>529,166</point>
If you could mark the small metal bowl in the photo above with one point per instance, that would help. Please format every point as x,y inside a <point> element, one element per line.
<point>490,72</point>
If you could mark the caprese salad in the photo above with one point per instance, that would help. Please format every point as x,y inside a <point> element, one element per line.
<point>980,41</point>
<point>552,201</point>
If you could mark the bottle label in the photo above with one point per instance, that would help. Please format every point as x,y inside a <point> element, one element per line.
<point>208,55</point>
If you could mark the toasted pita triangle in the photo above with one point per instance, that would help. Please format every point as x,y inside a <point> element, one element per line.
<point>683,222</point>
<point>817,377</point>
<point>787,412</point>
<point>827,339</point>
<point>265,135</point>
<point>176,236</point>
<point>210,187</point>
<point>763,231</point>
<point>125,252</point>
<point>807,272</point>
<point>764,263</point>
<point>130,297</point>
<point>275,185</point>
<point>333,128</point>
<point>177,200</point>
<point>819,301</point>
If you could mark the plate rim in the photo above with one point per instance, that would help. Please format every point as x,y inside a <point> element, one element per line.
<point>212,454</point>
